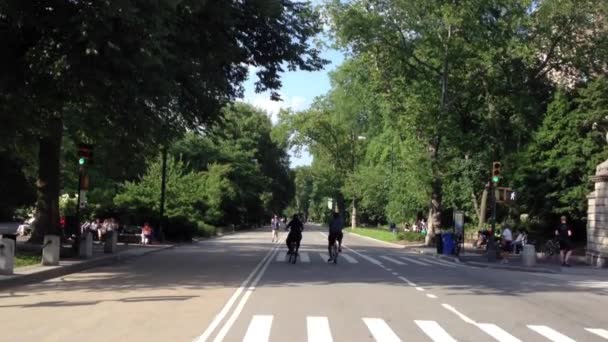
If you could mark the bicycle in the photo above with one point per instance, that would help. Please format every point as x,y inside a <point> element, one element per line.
<point>293,256</point>
<point>334,252</point>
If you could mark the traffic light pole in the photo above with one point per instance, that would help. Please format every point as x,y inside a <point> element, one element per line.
<point>491,246</point>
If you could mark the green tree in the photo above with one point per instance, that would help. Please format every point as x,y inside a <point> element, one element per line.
<point>553,172</point>
<point>137,70</point>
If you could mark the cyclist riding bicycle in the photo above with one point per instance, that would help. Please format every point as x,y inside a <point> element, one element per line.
<point>335,233</point>
<point>295,227</point>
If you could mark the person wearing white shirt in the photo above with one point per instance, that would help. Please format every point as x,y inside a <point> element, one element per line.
<point>507,244</point>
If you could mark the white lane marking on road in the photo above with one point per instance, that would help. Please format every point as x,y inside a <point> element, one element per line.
<point>550,333</point>
<point>414,261</point>
<point>599,332</point>
<point>433,330</point>
<point>379,241</point>
<point>463,317</point>
<point>440,263</point>
<point>318,329</point>
<point>407,281</point>
<point>389,269</point>
<point>324,256</point>
<point>304,257</point>
<point>220,316</point>
<point>380,330</point>
<point>370,259</point>
<point>419,288</point>
<point>259,329</point>
<point>237,311</point>
<point>349,258</point>
<point>394,261</point>
<point>430,295</point>
<point>395,273</point>
<point>498,333</point>
<point>281,257</point>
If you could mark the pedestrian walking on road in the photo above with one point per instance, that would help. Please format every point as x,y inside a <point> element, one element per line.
<point>274,224</point>
<point>564,233</point>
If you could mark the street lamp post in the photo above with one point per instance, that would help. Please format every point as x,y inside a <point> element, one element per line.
<point>354,209</point>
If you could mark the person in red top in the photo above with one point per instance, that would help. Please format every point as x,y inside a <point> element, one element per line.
<point>146,234</point>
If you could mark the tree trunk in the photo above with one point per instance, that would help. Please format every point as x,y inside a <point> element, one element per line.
<point>483,208</point>
<point>434,219</point>
<point>434,222</point>
<point>47,203</point>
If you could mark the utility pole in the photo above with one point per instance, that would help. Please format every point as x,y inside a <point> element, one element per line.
<point>491,247</point>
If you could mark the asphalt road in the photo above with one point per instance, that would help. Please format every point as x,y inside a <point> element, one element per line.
<point>239,288</point>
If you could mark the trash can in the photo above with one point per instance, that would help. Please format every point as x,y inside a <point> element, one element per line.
<point>447,240</point>
<point>438,243</point>
<point>528,256</point>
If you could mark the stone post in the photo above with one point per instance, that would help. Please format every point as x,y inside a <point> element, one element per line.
<point>7,256</point>
<point>597,218</point>
<point>86,246</point>
<point>50,251</point>
<point>111,241</point>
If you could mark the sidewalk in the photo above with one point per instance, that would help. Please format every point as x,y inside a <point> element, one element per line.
<point>478,258</point>
<point>38,273</point>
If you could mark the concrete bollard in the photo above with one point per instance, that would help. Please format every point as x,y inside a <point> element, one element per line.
<point>110,243</point>
<point>50,251</point>
<point>86,246</point>
<point>528,256</point>
<point>7,256</point>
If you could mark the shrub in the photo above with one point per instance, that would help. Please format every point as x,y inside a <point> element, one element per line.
<point>411,236</point>
<point>205,230</point>
<point>179,228</point>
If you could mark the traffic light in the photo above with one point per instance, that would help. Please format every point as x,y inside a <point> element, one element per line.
<point>495,172</point>
<point>85,154</point>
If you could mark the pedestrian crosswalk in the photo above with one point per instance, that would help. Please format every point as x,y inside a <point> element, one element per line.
<point>318,329</point>
<point>312,256</point>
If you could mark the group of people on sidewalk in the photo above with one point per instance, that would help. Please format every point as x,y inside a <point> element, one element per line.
<point>563,233</point>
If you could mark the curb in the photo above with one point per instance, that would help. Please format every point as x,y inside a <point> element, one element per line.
<point>485,265</point>
<point>59,271</point>
<point>511,268</point>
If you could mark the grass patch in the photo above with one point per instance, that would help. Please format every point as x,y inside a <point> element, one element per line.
<point>22,259</point>
<point>384,234</point>
<point>380,234</point>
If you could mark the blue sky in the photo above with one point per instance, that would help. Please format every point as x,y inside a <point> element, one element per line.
<point>298,91</point>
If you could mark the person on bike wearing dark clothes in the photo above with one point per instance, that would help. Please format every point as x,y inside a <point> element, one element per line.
<point>295,227</point>
<point>564,234</point>
<point>335,233</point>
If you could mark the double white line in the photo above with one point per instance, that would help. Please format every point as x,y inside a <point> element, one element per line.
<point>248,286</point>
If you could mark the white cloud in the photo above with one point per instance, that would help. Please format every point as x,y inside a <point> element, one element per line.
<point>263,102</point>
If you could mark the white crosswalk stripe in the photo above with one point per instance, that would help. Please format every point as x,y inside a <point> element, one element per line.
<point>304,257</point>
<point>394,261</point>
<point>550,333</point>
<point>498,333</point>
<point>433,330</point>
<point>318,329</point>
<point>599,332</point>
<point>281,257</point>
<point>380,330</point>
<point>349,258</point>
<point>440,263</point>
<point>259,329</point>
<point>324,256</point>
<point>414,261</point>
